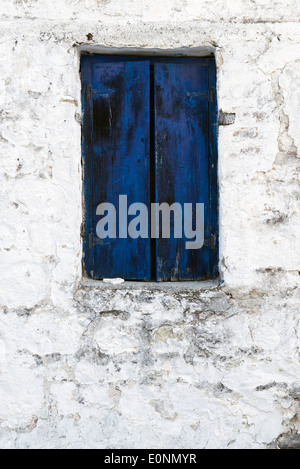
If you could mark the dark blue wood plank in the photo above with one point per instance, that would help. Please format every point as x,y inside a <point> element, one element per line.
<point>87,160</point>
<point>214,183</point>
<point>121,166</point>
<point>182,161</point>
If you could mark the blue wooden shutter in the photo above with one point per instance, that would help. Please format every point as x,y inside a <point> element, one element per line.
<point>116,146</point>
<point>182,160</point>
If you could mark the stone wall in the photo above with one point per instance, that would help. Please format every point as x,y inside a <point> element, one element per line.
<point>211,365</point>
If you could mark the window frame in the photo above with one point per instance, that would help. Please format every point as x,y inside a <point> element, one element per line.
<point>212,153</point>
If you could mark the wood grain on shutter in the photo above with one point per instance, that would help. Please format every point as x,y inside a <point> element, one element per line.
<point>119,150</point>
<point>182,161</point>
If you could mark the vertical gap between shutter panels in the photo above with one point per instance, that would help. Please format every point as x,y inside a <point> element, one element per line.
<point>152,167</point>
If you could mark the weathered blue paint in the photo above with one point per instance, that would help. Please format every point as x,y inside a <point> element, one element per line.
<point>213,174</point>
<point>87,161</point>
<point>182,160</point>
<point>119,98</point>
<point>119,150</point>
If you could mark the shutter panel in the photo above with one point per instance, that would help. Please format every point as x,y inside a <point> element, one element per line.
<point>119,114</point>
<point>182,164</point>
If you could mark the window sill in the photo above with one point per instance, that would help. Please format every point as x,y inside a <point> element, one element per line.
<point>176,287</point>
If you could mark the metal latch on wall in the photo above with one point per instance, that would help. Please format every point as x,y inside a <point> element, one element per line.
<point>226,118</point>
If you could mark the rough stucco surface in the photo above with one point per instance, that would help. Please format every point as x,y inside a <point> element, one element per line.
<point>84,365</point>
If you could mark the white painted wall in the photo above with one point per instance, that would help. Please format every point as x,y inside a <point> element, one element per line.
<point>88,366</point>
